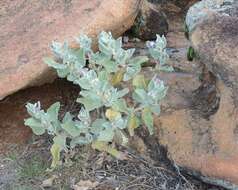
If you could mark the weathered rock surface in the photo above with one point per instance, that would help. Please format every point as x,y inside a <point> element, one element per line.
<point>199,129</point>
<point>150,21</point>
<point>28,27</point>
<point>214,36</point>
<point>200,117</point>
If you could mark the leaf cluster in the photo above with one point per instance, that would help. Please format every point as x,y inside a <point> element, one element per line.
<point>101,76</point>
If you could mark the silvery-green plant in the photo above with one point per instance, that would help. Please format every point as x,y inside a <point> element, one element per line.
<point>106,117</point>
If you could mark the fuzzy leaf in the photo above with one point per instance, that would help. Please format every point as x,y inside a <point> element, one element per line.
<point>60,140</point>
<point>103,146</point>
<point>52,63</point>
<point>112,114</point>
<point>84,42</point>
<point>117,77</point>
<point>90,104</point>
<point>98,125</point>
<point>81,140</point>
<point>106,135</point>
<point>120,106</point>
<point>35,125</point>
<point>131,71</point>
<point>69,126</point>
<point>53,111</point>
<point>122,93</point>
<point>138,60</point>
<point>147,118</point>
<point>119,123</point>
<point>132,124</point>
<point>140,96</point>
<point>55,152</point>
<point>139,81</point>
<point>110,66</point>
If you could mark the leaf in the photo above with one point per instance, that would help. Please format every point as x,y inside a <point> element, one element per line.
<point>122,92</point>
<point>110,66</point>
<point>35,125</point>
<point>122,56</point>
<point>156,89</point>
<point>119,123</point>
<point>112,114</point>
<point>106,135</point>
<point>140,96</point>
<point>81,140</point>
<point>53,111</point>
<point>117,77</point>
<point>103,75</point>
<point>80,61</point>
<point>98,125</point>
<point>69,126</point>
<point>138,60</point>
<point>120,106</point>
<point>86,81</point>
<point>139,81</point>
<point>132,124</point>
<point>84,115</point>
<point>55,152</point>
<point>90,104</point>
<point>157,49</point>
<point>147,118</point>
<point>191,54</point>
<point>103,146</point>
<point>60,140</point>
<point>131,71</point>
<point>52,63</point>
<point>84,42</point>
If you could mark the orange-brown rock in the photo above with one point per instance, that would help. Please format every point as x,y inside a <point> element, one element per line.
<point>199,121</point>
<point>199,129</point>
<point>28,27</point>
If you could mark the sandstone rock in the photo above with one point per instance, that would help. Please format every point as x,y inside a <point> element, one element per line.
<point>28,27</point>
<point>150,21</point>
<point>214,37</point>
<point>199,128</point>
<point>199,121</point>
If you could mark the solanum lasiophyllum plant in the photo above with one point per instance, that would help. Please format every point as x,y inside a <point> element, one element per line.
<point>106,117</point>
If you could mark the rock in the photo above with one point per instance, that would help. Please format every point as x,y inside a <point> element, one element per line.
<point>150,21</point>
<point>205,9</point>
<point>199,129</point>
<point>214,37</point>
<point>184,4</point>
<point>198,125</point>
<point>27,29</point>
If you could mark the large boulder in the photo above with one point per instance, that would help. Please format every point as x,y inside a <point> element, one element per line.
<point>28,27</point>
<point>214,36</point>
<point>199,125</point>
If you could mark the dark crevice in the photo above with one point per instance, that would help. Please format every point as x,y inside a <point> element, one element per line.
<point>206,99</point>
